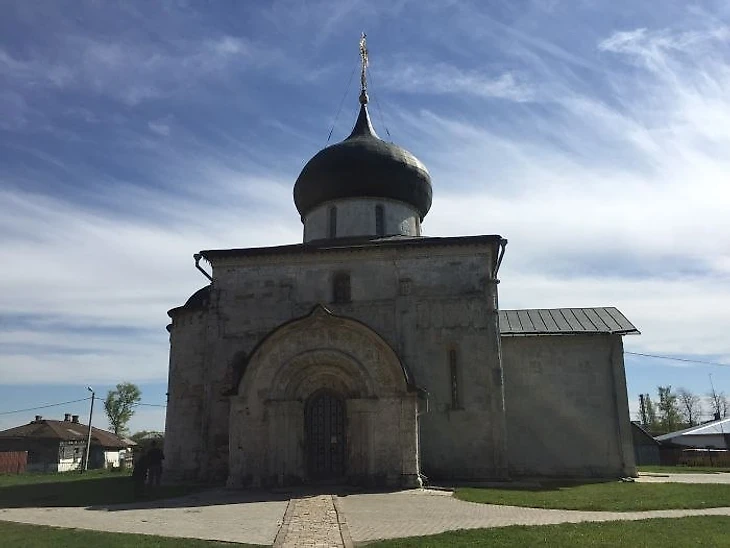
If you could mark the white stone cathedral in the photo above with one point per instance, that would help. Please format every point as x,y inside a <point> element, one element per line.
<point>372,355</point>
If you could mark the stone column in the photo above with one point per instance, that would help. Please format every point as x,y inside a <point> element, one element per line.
<point>359,440</point>
<point>409,442</point>
<point>623,421</point>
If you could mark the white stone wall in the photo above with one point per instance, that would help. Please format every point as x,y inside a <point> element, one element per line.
<point>356,217</point>
<point>566,403</point>
<point>421,300</point>
<point>184,441</point>
<point>566,412</point>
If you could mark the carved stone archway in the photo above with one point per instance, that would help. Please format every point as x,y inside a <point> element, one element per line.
<point>340,355</point>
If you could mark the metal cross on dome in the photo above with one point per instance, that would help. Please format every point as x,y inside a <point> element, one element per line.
<point>363,68</point>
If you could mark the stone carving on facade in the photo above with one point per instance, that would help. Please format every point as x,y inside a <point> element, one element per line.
<point>268,437</point>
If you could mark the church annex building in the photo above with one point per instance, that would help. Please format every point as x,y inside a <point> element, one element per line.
<point>372,355</point>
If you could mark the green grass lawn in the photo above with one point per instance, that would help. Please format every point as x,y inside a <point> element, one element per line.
<point>682,469</point>
<point>93,488</point>
<point>31,478</point>
<point>704,531</point>
<point>19,535</point>
<point>609,496</point>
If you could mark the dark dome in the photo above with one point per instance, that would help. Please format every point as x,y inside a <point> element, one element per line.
<point>199,299</point>
<point>363,166</point>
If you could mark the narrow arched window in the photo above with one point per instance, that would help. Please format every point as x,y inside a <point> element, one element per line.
<point>454,378</point>
<point>332,232</point>
<point>341,288</point>
<point>379,220</point>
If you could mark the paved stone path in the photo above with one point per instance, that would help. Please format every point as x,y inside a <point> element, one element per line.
<point>326,520</point>
<point>310,522</point>
<point>415,513</point>
<point>722,477</point>
<point>213,515</point>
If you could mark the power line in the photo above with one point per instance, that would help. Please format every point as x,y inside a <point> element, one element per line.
<point>43,406</point>
<point>342,102</point>
<point>676,359</point>
<point>46,406</point>
<point>380,110</point>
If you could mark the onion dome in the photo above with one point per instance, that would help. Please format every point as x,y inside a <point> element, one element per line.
<point>197,301</point>
<point>363,166</point>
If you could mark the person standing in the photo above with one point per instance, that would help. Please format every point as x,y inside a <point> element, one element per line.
<point>139,476</point>
<point>155,456</point>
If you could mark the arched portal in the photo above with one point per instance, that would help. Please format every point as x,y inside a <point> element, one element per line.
<point>324,435</point>
<point>321,397</point>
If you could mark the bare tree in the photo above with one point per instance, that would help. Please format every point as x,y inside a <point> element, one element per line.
<point>718,403</point>
<point>690,406</point>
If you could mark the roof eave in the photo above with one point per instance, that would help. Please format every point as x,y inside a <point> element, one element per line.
<point>350,245</point>
<point>567,333</point>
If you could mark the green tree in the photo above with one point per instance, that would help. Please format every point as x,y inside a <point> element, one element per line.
<point>670,418</point>
<point>652,423</point>
<point>146,435</point>
<point>144,439</point>
<point>119,406</point>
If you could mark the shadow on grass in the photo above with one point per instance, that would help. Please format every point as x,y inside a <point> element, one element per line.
<point>534,485</point>
<point>207,496</point>
<point>107,493</point>
<point>83,492</point>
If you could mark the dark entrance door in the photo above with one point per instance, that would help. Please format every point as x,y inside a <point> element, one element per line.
<point>324,417</point>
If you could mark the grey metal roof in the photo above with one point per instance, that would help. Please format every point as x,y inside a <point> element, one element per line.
<point>564,321</point>
<point>721,427</point>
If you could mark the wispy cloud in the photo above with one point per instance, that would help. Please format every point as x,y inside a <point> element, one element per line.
<point>448,79</point>
<point>615,198</point>
<point>654,48</point>
<point>599,151</point>
<point>160,127</point>
<point>113,274</point>
<point>132,72</point>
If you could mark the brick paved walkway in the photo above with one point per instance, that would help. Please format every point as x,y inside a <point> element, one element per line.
<point>325,520</point>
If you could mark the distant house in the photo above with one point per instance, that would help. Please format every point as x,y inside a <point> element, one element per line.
<point>711,435</point>
<point>646,448</point>
<point>59,446</point>
<point>13,462</point>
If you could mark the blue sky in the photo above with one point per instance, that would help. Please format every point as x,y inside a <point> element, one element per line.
<point>595,136</point>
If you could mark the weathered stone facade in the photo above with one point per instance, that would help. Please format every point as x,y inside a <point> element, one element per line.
<point>246,358</point>
<point>373,355</point>
<point>315,353</point>
<point>567,411</point>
